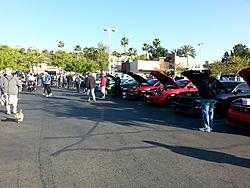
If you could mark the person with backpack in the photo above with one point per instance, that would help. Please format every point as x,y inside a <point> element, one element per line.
<point>10,86</point>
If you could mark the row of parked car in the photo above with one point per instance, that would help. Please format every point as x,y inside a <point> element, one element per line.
<point>183,95</point>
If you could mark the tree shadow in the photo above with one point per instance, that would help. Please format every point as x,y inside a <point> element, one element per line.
<point>206,155</point>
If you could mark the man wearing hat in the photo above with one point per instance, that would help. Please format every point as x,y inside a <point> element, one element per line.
<point>10,85</point>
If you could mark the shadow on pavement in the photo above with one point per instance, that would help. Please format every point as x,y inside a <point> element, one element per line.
<point>9,120</point>
<point>121,112</point>
<point>212,156</point>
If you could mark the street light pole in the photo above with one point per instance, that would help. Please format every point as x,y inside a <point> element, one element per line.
<point>109,30</point>
<point>200,45</point>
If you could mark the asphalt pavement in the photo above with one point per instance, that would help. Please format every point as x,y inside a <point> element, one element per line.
<point>67,142</point>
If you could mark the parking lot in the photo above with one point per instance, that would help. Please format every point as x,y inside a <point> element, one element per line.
<point>65,141</point>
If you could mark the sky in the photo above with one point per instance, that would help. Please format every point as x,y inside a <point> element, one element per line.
<point>219,24</point>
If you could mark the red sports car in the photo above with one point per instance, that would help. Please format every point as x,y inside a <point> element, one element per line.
<point>140,90</point>
<point>171,89</point>
<point>239,112</point>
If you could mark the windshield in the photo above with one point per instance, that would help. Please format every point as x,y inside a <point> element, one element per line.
<point>230,85</point>
<point>150,82</point>
<point>182,83</point>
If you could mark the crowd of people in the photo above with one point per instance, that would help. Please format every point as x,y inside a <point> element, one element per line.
<point>10,85</point>
<point>12,82</point>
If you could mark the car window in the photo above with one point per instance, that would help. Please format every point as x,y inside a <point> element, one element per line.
<point>242,87</point>
<point>230,85</point>
<point>191,85</point>
<point>182,83</point>
<point>151,82</point>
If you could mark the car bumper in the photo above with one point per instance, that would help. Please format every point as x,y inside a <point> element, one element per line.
<point>238,119</point>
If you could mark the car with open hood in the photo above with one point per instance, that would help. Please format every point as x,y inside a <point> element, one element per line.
<point>172,88</point>
<point>238,114</point>
<point>191,102</point>
<point>139,90</point>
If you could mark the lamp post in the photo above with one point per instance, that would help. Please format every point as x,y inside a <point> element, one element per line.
<point>109,30</point>
<point>200,45</point>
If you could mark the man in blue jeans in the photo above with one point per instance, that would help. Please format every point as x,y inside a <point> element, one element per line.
<point>209,88</point>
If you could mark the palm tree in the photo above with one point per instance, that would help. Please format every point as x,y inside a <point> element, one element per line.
<point>116,54</point>
<point>61,44</point>
<point>146,49</point>
<point>177,52</point>
<point>187,51</point>
<point>77,50</point>
<point>157,43</point>
<point>132,52</point>
<point>124,43</point>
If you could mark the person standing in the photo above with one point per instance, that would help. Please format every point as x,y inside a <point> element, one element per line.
<point>117,87</point>
<point>78,82</point>
<point>209,88</point>
<point>91,84</point>
<point>10,86</point>
<point>70,81</point>
<point>103,86</point>
<point>46,84</point>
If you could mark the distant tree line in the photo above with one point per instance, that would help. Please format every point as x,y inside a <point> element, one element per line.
<point>97,58</point>
<point>79,60</point>
<point>232,61</point>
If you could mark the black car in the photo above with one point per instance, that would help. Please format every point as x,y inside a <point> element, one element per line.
<point>191,101</point>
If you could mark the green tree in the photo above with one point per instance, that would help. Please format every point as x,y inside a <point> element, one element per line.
<point>156,50</point>
<point>241,51</point>
<point>132,53</point>
<point>186,51</point>
<point>60,45</point>
<point>146,49</point>
<point>90,53</point>
<point>9,57</point>
<point>102,56</point>
<point>177,52</point>
<point>117,54</point>
<point>156,43</point>
<point>77,51</point>
<point>124,43</point>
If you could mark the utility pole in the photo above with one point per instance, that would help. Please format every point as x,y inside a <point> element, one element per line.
<point>109,30</point>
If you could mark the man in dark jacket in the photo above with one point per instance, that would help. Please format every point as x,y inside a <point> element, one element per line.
<point>117,87</point>
<point>90,85</point>
<point>209,88</point>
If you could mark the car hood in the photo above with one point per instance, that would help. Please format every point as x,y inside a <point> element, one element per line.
<point>196,77</point>
<point>137,78</point>
<point>164,79</point>
<point>245,74</point>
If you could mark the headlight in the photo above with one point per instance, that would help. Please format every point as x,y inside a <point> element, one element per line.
<point>172,95</point>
